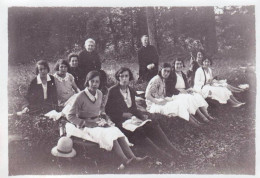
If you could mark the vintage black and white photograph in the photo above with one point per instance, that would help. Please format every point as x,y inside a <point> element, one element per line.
<point>145,89</point>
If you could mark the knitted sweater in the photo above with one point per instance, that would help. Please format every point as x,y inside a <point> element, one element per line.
<point>84,108</point>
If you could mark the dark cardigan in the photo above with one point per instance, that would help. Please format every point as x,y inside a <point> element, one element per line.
<point>171,82</point>
<point>116,106</point>
<point>35,96</point>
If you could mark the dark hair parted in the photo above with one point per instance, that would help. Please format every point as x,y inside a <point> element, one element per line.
<point>163,65</point>
<point>71,55</point>
<point>59,62</point>
<point>200,51</point>
<point>178,59</point>
<point>210,60</point>
<point>121,70</point>
<point>42,63</point>
<point>92,74</point>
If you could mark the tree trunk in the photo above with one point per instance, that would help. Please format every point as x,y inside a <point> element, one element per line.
<point>141,24</point>
<point>151,23</point>
<point>210,23</point>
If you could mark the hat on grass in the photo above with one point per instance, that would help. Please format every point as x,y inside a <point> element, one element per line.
<point>64,148</point>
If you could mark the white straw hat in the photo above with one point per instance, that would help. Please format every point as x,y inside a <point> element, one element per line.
<point>64,148</point>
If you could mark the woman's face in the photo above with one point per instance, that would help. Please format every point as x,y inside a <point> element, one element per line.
<point>124,78</point>
<point>93,84</point>
<point>178,66</point>
<point>166,72</point>
<point>74,62</point>
<point>43,71</point>
<point>145,41</point>
<point>90,46</point>
<point>206,63</point>
<point>199,57</point>
<point>63,69</point>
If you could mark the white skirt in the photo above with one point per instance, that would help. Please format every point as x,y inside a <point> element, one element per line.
<point>172,108</point>
<point>104,136</point>
<point>219,93</point>
<point>194,101</point>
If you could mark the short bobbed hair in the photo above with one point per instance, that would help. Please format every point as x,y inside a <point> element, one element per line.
<point>42,63</point>
<point>71,55</point>
<point>210,60</point>
<point>92,74</point>
<point>59,62</point>
<point>164,65</point>
<point>123,69</point>
<point>178,59</point>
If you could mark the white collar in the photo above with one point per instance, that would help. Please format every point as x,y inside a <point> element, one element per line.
<point>39,80</point>
<point>91,97</point>
<point>66,78</point>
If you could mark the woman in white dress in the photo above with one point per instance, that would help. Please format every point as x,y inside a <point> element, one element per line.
<point>205,84</point>
<point>177,85</point>
<point>158,102</point>
<point>89,121</point>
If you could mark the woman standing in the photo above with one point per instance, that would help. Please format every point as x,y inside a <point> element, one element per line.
<point>121,108</point>
<point>87,114</point>
<point>209,87</point>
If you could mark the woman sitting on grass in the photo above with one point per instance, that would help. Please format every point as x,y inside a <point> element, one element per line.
<point>177,85</point>
<point>65,83</point>
<point>75,70</point>
<point>205,84</point>
<point>42,94</point>
<point>87,114</point>
<point>121,108</point>
<point>158,102</point>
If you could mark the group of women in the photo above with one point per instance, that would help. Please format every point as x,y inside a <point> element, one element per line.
<point>110,117</point>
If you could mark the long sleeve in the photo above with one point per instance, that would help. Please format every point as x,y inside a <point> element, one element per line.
<point>199,80</point>
<point>73,112</point>
<point>112,108</point>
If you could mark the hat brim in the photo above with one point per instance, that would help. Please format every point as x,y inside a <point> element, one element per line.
<point>56,153</point>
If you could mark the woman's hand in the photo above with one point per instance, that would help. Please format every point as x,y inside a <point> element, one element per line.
<point>150,66</point>
<point>183,92</point>
<point>127,115</point>
<point>161,101</point>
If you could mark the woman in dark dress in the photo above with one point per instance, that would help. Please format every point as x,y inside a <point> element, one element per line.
<point>42,93</point>
<point>121,108</point>
<point>76,71</point>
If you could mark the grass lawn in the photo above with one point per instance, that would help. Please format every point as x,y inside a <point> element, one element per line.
<point>226,146</point>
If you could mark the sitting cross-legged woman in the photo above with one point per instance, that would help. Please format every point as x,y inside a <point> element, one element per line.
<point>42,94</point>
<point>207,86</point>
<point>178,86</point>
<point>89,121</point>
<point>121,108</point>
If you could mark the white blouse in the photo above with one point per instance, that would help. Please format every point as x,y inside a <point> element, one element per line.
<point>44,86</point>
<point>180,84</point>
<point>200,79</point>
<point>127,97</point>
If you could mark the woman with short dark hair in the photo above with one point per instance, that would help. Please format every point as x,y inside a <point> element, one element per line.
<point>205,84</point>
<point>90,122</point>
<point>121,108</point>
<point>65,82</point>
<point>158,102</point>
<point>42,94</point>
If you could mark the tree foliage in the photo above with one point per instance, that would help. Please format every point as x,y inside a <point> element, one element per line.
<point>53,32</point>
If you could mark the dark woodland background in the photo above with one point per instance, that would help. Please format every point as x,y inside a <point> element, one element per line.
<point>50,33</point>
